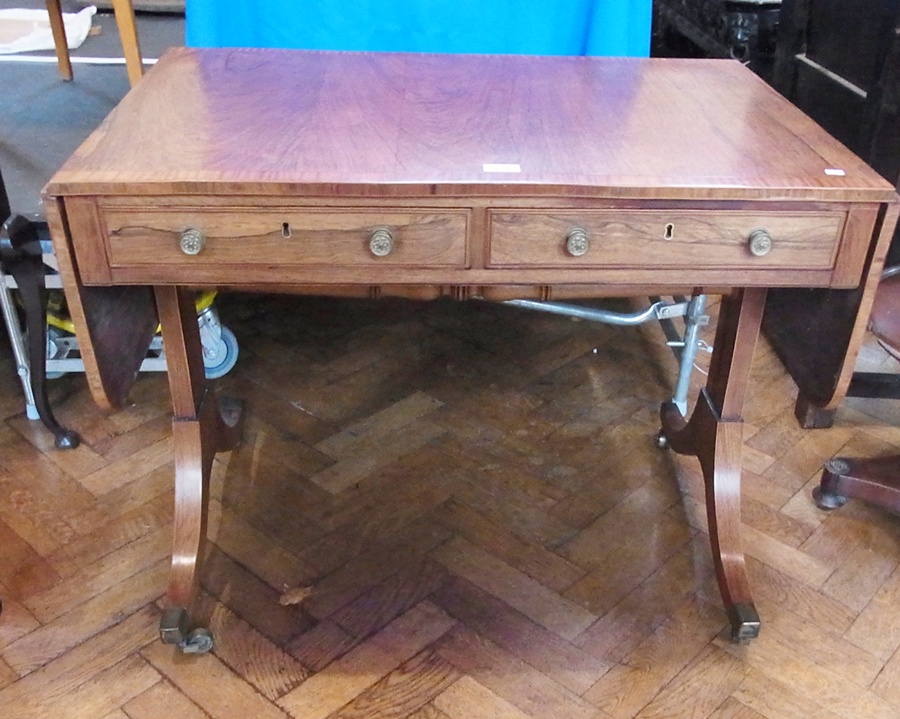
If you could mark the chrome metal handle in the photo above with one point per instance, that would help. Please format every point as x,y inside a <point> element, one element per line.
<point>381,243</point>
<point>577,242</point>
<point>760,243</point>
<point>192,241</point>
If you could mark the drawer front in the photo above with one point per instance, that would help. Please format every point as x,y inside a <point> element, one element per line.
<point>691,239</point>
<point>287,237</point>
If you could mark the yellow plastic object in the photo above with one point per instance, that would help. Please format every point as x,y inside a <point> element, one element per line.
<point>57,316</point>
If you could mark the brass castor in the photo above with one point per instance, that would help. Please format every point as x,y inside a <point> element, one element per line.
<point>173,629</point>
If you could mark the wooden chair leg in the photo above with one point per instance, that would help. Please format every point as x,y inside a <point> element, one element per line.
<point>124,10</point>
<point>59,39</point>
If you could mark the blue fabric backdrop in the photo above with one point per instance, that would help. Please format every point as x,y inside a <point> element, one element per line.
<point>535,27</point>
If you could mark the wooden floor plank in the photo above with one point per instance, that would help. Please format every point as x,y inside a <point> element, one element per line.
<point>771,698</point>
<point>23,570</point>
<point>347,472</point>
<point>545,650</point>
<point>512,679</point>
<point>355,577</point>
<point>467,699</point>
<point>104,693</point>
<point>111,570</point>
<point>391,598</point>
<point>17,620</point>
<point>360,669</point>
<point>161,701</point>
<point>111,532</point>
<point>614,634</point>
<point>530,555</point>
<point>85,620</point>
<point>59,678</point>
<point>404,691</point>
<point>252,656</point>
<point>706,683</point>
<point>132,467</point>
<point>654,663</point>
<point>317,647</point>
<point>534,600</point>
<point>533,559</point>
<point>245,594</point>
<point>211,685</point>
<point>364,435</point>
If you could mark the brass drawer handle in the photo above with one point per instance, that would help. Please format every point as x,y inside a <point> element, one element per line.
<point>381,243</point>
<point>577,242</point>
<point>192,241</point>
<point>760,243</point>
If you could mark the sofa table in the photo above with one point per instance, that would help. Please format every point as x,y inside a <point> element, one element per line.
<point>473,176</point>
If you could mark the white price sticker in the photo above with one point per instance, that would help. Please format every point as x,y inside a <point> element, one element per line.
<point>501,167</point>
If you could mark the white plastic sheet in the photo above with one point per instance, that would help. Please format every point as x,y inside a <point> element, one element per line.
<point>28,30</point>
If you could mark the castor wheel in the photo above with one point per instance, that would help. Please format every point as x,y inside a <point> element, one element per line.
<point>219,357</point>
<point>199,641</point>
<point>827,500</point>
<point>824,495</point>
<point>173,630</point>
<point>661,440</point>
<point>744,622</point>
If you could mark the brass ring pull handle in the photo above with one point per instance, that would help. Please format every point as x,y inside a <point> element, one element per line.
<point>577,242</point>
<point>760,243</point>
<point>192,241</point>
<point>381,243</point>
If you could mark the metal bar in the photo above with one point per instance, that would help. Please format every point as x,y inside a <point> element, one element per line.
<point>684,348</point>
<point>14,329</point>
<point>694,319</point>
<point>596,315</point>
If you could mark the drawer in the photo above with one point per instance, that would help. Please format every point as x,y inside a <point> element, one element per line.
<point>639,238</point>
<point>291,236</point>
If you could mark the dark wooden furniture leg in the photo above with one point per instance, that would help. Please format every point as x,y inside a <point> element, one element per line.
<point>817,333</point>
<point>23,259</point>
<point>714,435</point>
<point>873,480</point>
<point>201,426</point>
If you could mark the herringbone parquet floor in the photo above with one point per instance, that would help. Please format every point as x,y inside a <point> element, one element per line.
<point>441,511</point>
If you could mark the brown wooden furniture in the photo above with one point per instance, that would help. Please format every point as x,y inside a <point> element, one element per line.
<point>124,12</point>
<point>471,176</point>
<point>840,63</point>
<point>877,479</point>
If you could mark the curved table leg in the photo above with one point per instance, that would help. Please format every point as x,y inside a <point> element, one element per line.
<point>201,427</point>
<point>714,435</point>
<point>25,263</point>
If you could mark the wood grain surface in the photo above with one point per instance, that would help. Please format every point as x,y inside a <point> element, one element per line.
<point>251,121</point>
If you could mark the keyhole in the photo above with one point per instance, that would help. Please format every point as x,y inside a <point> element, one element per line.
<point>670,231</point>
<point>286,229</point>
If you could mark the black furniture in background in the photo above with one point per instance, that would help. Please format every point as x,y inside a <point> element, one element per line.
<point>840,63</point>
<point>743,29</point>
